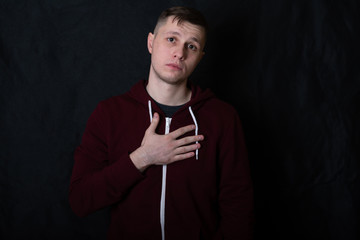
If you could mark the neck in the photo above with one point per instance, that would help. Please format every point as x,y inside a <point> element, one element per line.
<point>169,94</point>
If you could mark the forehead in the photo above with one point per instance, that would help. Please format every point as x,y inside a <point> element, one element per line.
<point>184,28</point>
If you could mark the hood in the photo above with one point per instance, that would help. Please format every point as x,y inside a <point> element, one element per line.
<point>198,96</point>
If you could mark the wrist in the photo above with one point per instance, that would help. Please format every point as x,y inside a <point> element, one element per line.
<point>138,157</point>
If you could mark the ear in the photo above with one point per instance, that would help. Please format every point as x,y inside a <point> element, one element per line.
<point>202,54</point>
<point>150,40</point>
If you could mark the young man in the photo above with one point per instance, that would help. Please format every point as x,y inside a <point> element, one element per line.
<point>168,157</point>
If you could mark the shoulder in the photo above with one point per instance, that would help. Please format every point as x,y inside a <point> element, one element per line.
<point>207,100</point>
<point>218,108</point>
<point>117,103</point>
<point>135,97</point>
<point>113,108</point>
<point>222,106</point>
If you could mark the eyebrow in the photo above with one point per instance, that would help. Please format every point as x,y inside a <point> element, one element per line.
<point>178,34</point>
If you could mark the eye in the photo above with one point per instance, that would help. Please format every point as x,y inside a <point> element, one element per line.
<point>192,47</point>
<point>171,39</point>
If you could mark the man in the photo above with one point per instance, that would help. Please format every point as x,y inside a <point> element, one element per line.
<point>168,157</point>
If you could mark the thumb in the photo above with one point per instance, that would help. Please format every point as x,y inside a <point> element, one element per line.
<point>154,122</point>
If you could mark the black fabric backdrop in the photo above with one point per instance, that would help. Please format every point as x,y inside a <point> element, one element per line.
<point>289,67</point>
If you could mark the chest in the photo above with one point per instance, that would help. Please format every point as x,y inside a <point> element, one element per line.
<point>201,171</point>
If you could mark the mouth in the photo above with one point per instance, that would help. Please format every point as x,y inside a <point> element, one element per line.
<point>174,66</point>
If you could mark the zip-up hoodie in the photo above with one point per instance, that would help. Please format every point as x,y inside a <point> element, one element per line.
<point>205,198</point>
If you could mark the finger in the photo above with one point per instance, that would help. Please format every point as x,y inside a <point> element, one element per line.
<point>188,140</point>
<point>154,123</point>
<point>183,156</point>
<point>186,149</point>
<point>181,131</point>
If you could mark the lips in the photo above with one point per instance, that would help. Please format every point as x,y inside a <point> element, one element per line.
<point>174,66</point>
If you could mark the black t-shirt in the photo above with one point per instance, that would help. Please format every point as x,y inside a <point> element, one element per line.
<point>169,110</point>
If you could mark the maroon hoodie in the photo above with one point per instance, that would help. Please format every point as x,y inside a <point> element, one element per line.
<point>205,198</point>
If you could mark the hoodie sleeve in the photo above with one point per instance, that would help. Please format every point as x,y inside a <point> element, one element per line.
<point>95,183</point>
<point>236,193</point>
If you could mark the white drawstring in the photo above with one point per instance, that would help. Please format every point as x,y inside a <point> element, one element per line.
<point>196,130</point>
<point>150,110</point>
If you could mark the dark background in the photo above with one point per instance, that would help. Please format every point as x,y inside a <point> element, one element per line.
<point>291,69</point>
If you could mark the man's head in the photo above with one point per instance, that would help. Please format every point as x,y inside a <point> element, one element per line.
<point>176,47</point>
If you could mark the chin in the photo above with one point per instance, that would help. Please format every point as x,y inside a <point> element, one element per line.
<point>171,78</point>
<point>174,81</point>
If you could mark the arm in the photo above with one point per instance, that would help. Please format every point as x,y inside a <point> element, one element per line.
<point>94,183</point>
<point>236,193</point>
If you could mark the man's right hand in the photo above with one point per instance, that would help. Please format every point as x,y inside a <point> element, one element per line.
<point>158,149</point>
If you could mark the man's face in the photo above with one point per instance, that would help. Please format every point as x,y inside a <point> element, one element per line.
<point>175,50</point>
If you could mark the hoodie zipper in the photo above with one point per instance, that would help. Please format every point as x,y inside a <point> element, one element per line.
<point>164,170</point>
<point>163,188</point>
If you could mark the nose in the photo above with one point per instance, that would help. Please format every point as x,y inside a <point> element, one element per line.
<point>180,53</point>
